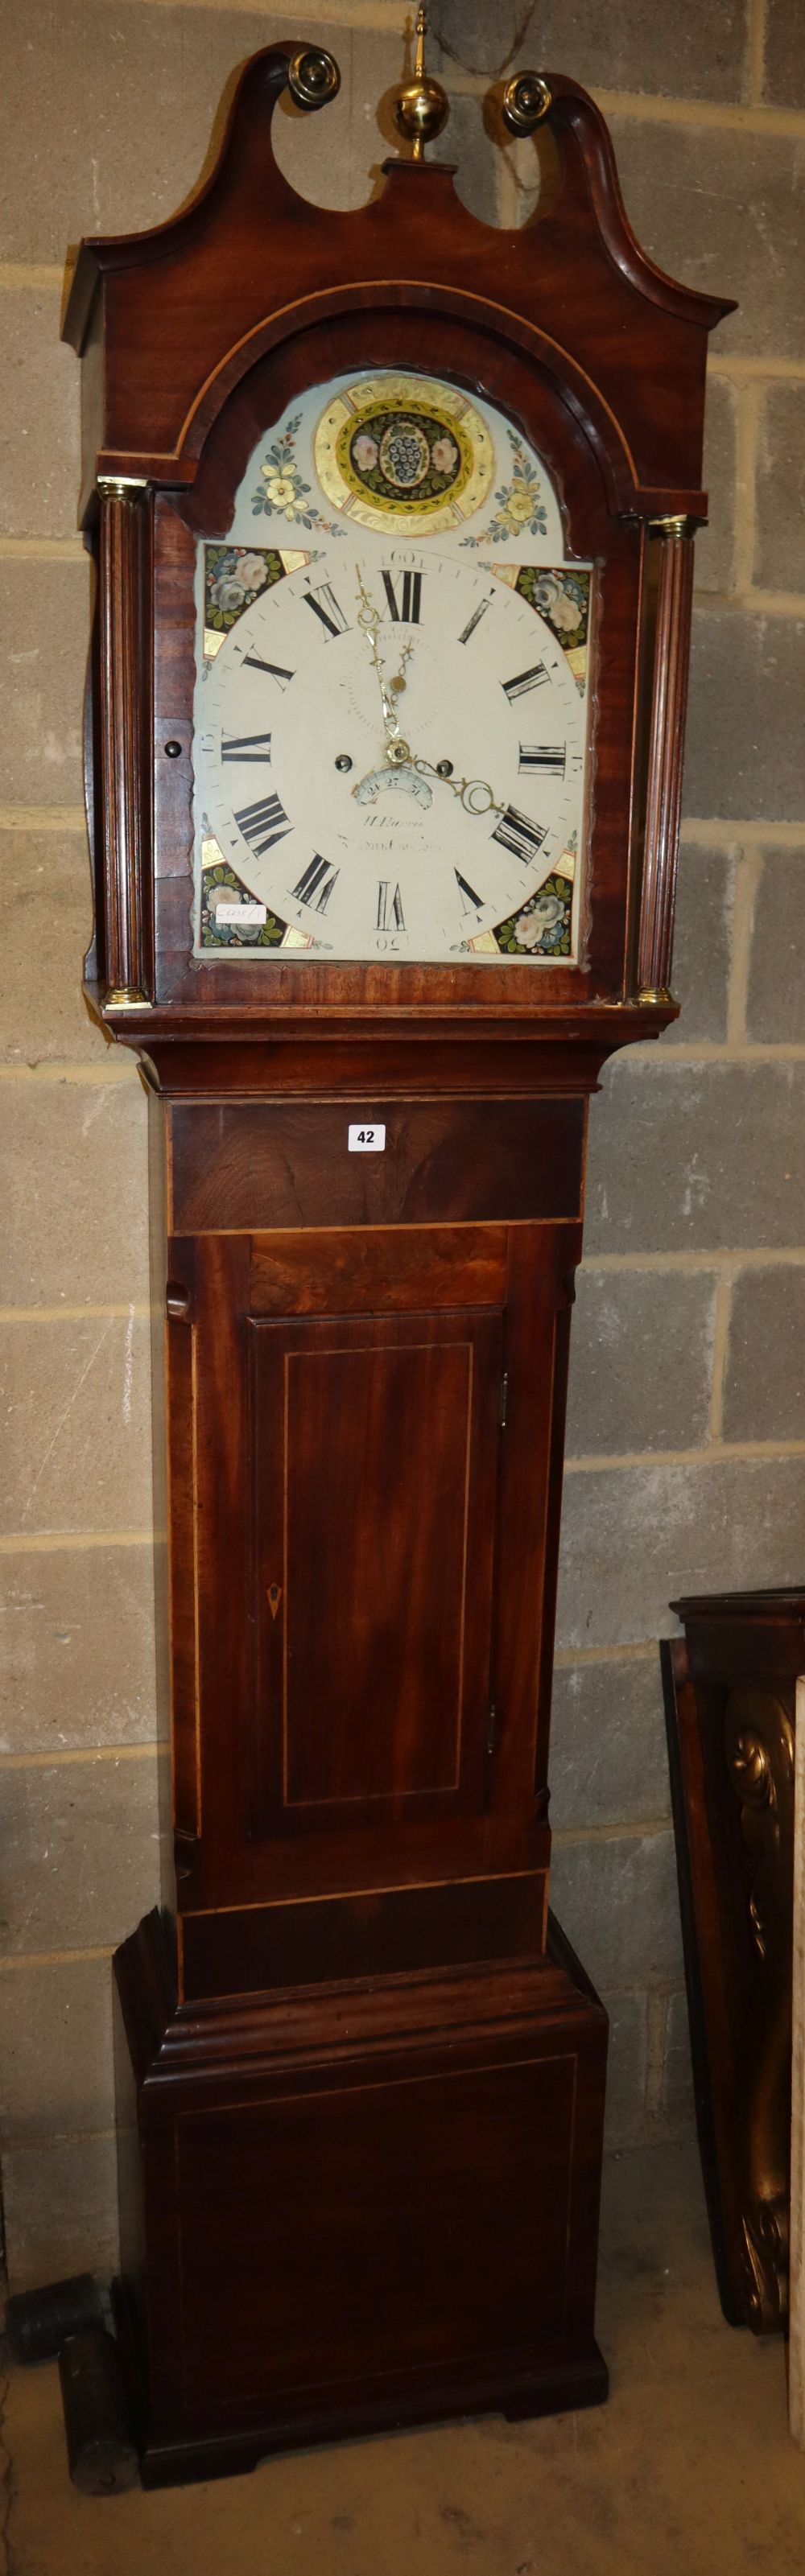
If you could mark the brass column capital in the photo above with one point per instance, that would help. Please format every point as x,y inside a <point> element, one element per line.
<point>678,524</point>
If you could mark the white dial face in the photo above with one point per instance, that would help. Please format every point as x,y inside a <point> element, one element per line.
<point>390,751</point>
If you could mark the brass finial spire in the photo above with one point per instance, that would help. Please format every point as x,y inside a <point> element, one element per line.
<point>423,107</point>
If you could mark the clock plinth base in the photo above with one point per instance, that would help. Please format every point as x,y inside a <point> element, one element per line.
<point>355,2206</point>
<point>558,2390</point>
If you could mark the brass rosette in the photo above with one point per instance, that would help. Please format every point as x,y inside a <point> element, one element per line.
<point>313,77</point>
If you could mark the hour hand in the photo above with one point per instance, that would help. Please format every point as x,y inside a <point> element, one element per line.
<point>475,794</point>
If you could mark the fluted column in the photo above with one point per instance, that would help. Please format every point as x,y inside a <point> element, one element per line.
<point>125,712</point>
<point>665,756</point>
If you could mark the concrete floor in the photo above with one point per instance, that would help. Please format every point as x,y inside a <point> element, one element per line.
<point>689,2471</point>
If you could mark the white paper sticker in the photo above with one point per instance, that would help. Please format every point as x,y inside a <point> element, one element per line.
<point>249,916</point>
<point>367,1140</point>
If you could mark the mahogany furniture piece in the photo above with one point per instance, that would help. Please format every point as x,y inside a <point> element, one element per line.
<point>361,2075</point>
<point>796,2266</point>
<point>730,1700</point>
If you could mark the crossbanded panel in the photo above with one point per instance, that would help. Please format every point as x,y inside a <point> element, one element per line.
<point>460,2253</point>
<point>377,1444</point>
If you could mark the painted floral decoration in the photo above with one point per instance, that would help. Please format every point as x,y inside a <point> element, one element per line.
<point>233,577</point>
<point>562,597</point>
<point>444,455</point>
<point>282,490</point>
<point>401,455</point>
<point>542,928</point>
<point>218,883</point>
<point>520,507</point>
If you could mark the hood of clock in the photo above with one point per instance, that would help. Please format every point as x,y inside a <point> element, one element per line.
<point>169,320</point>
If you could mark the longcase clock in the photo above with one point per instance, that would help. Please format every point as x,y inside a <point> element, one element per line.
<point>392,515</point>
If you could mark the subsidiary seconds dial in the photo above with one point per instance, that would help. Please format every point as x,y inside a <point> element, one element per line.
<point>391,755</point>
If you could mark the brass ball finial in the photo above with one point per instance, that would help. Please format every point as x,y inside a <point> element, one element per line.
<point>423,107</point>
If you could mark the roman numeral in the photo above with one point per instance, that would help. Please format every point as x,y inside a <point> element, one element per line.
<point>546,757</point>
<point>517,834</point>
<point>474,621</point>
<point>470,900</point>
<point>276,671</point>
<point>409,606</point>
<point>324,604</point>
<point>246,746</point>
<point>316,883</point>
<point>389,912</point>
<point>263,823</point>
<point>523,681</point>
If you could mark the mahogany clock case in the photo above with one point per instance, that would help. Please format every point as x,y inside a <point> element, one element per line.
<point>361,2082</point>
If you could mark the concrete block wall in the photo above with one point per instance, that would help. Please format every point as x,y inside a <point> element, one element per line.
<point>686,1458</point>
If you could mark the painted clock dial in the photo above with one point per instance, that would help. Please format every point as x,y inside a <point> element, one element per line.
<point>391,708</point>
